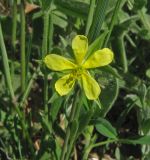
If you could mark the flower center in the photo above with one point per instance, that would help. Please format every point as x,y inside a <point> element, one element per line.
<point>76,73</point>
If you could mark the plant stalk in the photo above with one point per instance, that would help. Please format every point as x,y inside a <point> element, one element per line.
<point>117,7</point>
<point>22,47</point>
<point>14,25</point>
<point>90,16</point>
<point>104,142</point>
<point>13,38</point>
<point>28,88</point>
<point>6,66</point>
<point>44,52</point>
<point>99,16</point>
<point>69,141</point>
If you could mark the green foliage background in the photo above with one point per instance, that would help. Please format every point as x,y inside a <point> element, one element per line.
<point>35,120</point>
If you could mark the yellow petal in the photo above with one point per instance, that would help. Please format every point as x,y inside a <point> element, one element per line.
<point>80,47</point>
<point>58,63</point>
<point>64,85</point>
<point>99,58</point>
<point>91,87</point>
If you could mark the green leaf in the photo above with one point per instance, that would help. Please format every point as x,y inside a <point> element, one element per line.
<point>45,4</point>
<point>109,69</point>
<point>142,90</point>
<point>58,148</point>
<point>84,120</point>
<point>59,19</point>
<point>139,4</point>
<point>74,128</point>
<point>144,34</point>
<point>141,140</point>
<point>55,106</point>
<point>72,8</point>
<point>110,88</point>
<point>148,97</point>
<point>105,128</point>
<point>145,126</point>
<point>46,124</point>
<point>124,25</point>
<point>90,16</point>
<point>148,73</point>
<point>5,62</point>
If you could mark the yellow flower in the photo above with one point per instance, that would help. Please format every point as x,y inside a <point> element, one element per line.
<point>78,68</point>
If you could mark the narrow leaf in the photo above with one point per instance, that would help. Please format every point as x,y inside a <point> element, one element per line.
<point>105,128</point>
<point>140,140</point>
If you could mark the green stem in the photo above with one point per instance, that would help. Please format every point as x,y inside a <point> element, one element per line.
<point>9,84</point>
<point>70,148</point>
<point>28,53</point>
<point>45,34</point>
<point>88,146</point>
<point>13,40</point>
<point>6,65</point>
<point>89,140</point>
<point>104,142</point>
<point>28,88</point>
<point>66,146</point>
<point>90,16</point>
<point>91,146</point>
<point>22,48</point>
<point>122,51</point>
<point>50,34</point>
<point>86,153</point>
<point>117,7</point>
<point>46,92</point>
<point>50,41</point>
<point>24,127</point>
<point>144,19</point>
<point>73,138</point>
<point>14,24</point>
<point>21,115</point>
<point>44,52</point>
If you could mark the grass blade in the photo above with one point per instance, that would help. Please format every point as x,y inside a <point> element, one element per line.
<point>6,65</point>
<point>90,16</point>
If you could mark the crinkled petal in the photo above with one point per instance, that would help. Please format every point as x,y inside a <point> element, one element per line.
<point>99,58</point>
<point>58,63</point>
<point>90,86</point>
<point>80,47</point>
<point>65,84</point>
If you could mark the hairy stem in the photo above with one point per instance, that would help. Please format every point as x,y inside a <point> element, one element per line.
<point>44,52</point>
<point>22,48</point>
